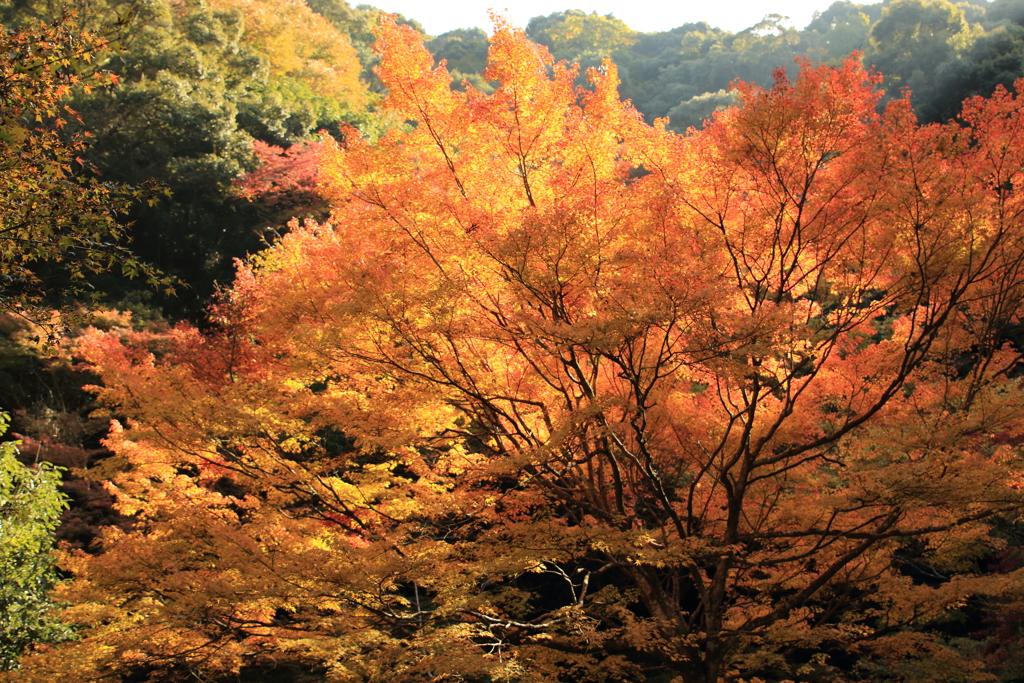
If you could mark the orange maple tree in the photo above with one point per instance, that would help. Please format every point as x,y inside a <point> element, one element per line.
<point>559,395</point>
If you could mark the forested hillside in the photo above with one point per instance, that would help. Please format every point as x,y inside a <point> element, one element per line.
<point>942,51</point>
<point>198,82</point>
<point>569,354</point>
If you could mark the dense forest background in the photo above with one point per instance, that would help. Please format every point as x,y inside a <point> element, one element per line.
<point>221,102</point>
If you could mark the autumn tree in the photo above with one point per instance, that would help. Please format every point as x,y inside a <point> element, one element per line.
<point>285,183</point>
<point>559,395</point>
<point>60,225</point>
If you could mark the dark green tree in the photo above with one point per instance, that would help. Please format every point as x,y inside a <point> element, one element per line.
<point>188,108</point>
<point>465,53</point>
<point>910,42</point>
<point>1006,10</point>
<point>995,58</point>
<point>839,30</point>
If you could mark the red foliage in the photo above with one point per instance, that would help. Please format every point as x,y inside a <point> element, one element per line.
<point>285,184</point>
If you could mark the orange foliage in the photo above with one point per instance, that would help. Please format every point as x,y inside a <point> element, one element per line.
<point>560,395</point>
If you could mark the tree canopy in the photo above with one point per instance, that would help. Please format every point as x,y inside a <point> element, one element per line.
<point>560,395</point>
<point>198,83</point>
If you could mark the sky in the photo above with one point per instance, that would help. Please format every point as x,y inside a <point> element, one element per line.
<point>439,16</point>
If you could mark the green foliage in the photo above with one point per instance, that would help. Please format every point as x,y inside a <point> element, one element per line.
<point>911,41</point>
<point>199,82</point>
<point>578,36</point>
<point>30,509</point>
<point>707,60</point>
<point>186,113</point>
<point>1006,10</point>
<point>841,29</point>
<point>465,54</point>
<point>995,58</point>
<point>664,69</point>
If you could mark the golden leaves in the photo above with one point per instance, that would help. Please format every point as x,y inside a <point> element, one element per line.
<point>734,376</point>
